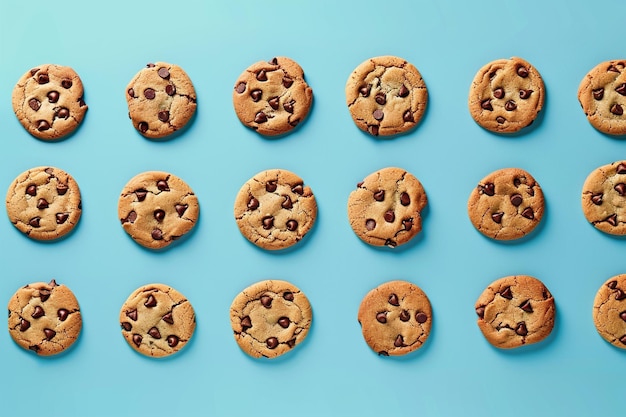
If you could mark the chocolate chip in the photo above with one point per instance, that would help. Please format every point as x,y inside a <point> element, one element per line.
<point>486,104</point>
<point>159,215</point>
<point>253,203</point>
<point>621,168</point>
<point>500,119</point>
<point>272,343</point>
<point>612,285</point>
<point>34,71</point>
<point>162,185</point>
<point>49,333</point>
<point>526,306</point>
<point>256,95</point>
<point>131,92</point>
<point>498,93</point>
<point>480,311</point>
<point>266,301</point>
<point>510,105</point>
<point>516,200</point>
<point>274,61</point>
<point>260,117</point>
<point>488,189</point>
<point>421,317</point>
<point>38,312</point>
<point>522,72</point>
<point>53,96</point>
<point>373,129</point>
<point>150,301</point>
<point>141,194</point>
<point>528,213</point>
<point>168,318</point>
<point>150,65</point>
<point>34,222</point>
<point>298,189</point>
<point>620,295</point>
<point>381,317</point>
<point>286,204</point>
<point>268,222</point>
<point>42,204</point>
<point>43,78</point>
<point>163,73</point>
<point>292,225</point>
<point>246,323</point>
<point>63,313</point>
<point>66,83</point>
<point>389,216</point>
<point>507,293</point>
<point>288,106</point>
<point>288,295</point>
<point>170,90</point>
<point>621,89</point>
<point>31,190</point>
<point>598,93</point>
<point>164,116</point>
<point>623,339</point>
<point>137,339</point>
<point>612,220</point>
<point>617,110</point>
<point>405,199</point>
<point>43,125</point>
<point>24,325</point>
<point>394,300</point>
<point>497,217</point>
<point>34,104</point>
<point>378,114</point>
<point>390,243</point>
<point>132,314</point>
<point>284,322</point>
<point>408,224</point>
<point>521,329</point>
<point>149,93</point>
<point>287,82</point>
<point>380,98</point>
<point>155,333</point>
<point>403,92</point>
<point>180,209</point>
<point>132,216</point>
<point>273,102</point>
<point>525,94</point>
<point>365,90</point>
<point>126,326</point>
<point>44,294</point>
<point>399,342</point>
<point>407,116</point>
<point>622,315</point>
<point>597,198</point>
<point>261,75</point>
<point>157,234</point>
<point>271,186</point>
<point>370,224</point>
<point>143,127</point>
<point>404,315</point>
<point>620,188</point>
<point>63,113</point>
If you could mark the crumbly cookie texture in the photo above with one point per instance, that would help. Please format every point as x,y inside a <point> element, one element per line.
<point>156,208</point>
<point>270,318</point>
<point>609,311</point>
<point>44,203</point>
<point>48,101</point>
<point>507,204</point>
<point>395,318</point>
<point>604,198</point>
<point>514,311</point>
<point>275,209</point>
<point>44,318</point>
<point>506,95</point>
<point>161,99</point>
<point>157,320</point>
<point>386,95</point>
<point>272,97</point>
<point>385,209</point>
<point>602,95</point>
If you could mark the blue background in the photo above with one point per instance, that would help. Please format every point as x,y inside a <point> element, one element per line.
<point>333,373</point>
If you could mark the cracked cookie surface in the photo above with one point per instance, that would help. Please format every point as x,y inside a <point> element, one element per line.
<point>609,311</point>
<point>395,318</point>
<point>156,208</point>
<point>514,311</point>
<point>272,97</point>
<point>385,209</point>
<point>157,320</point>
<point>602,96</point>
<point>48,101</point>
<point>386,95</point>
<point>604,198</point>
<point>507,204</point>
<point>270,318</point>
<point>506,95</point>
<point>275,209</point>
<point>161,99</point>
<point>44,318</point>
<point>44,203</point>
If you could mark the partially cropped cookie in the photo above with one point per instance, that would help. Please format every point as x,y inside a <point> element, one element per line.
<point>161,99</point>
<point>386,95</point>
<point>44,318</point>
<point>395,318</point>
<point>609,311</point>
<point>272,97</point>
<point>275,209</point>
<point>506,95</point>
<point>604,198</point>
<point>157,320</point>
<point>48,100</point>
<point>44,203</point>
<point>507,204</point>
<point>385,209</point>
<point>270,318</point>
<point>515,311</point>
<point>602,95</point>
<point>156,208</point>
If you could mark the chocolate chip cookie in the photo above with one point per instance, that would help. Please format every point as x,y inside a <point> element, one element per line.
<point>609,311</point>
<point>157,320</point>
<point>272,97</point>
<point>604,198</point>
<point>270,318</point>
<point>386,95</point>
<point>395,318</point>
<point>506,95</point>
<point>44,203</point>
<point>507,204</point>
<point>156,208</point>
<point>275,209</point>
<point>161,100</point>
<point>385,209</point>
<point>44,318</point>
<point>48,100</point>
<point>602,95</point>
<point>514,311</point>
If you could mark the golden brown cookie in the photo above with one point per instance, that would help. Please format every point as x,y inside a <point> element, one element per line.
<point>272,97</point>
<point>609,311</point>
<point>506,95</point>
<point>44,318</point>
<point>270,318</point>
<point>48,101</point>
<point>395,318</point>
<point>602,95</point>
<point>507,204</point>
<point>44,203</point>
<point>514,311</point>
<point>157,320</point>
<point>156,208</point>
<point>604,198</point>
<point>161,99</point>
<point>386,95</point>
<point>275,209</point>
<point>385,209</point>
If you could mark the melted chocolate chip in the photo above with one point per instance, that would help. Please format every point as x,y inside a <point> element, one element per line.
<point>137,339</point>
<point>284,322</point>
<point>525,94</point>
<point>598,93</point>
<point>292,225</point>
<point>266,301</point>
<point>53,96</point>
<point>298,189</point>
<point>43,78</point>
<point>44,294</point>
<point>287,82</point>
<point>150,301</point>
<point>131,92</point>
<point>407,116</point>
<point>143,127</point>
<point>253,203</point>
<point>617,110</point>
<point>597,198</point>
<point>486,104</point>
<point>621,168</point>
<point>126,326</point>
<point>522,72</point>
<point>157,234</point>
<point>272,343</point>
<point>394,300</point>
<point>288,295</point>
<point>268,222</point>
<point>498,93</point>
<point>408,224</point>
<point>132,216</point>
<point>510,105</point>
<point>63,113</point>
<point>365,90</point>
<point>405,199</point>
<point>246,323</point>
<point>389,216</point>
<point>612,220</point>
<point>380,98</point>
<point>381,317</point>
<point>622,315</point>
<point>288,106</point>
<point>162,185</point>
<point>488,189</point>
<point>620,188</point>
<point>516,200</point>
